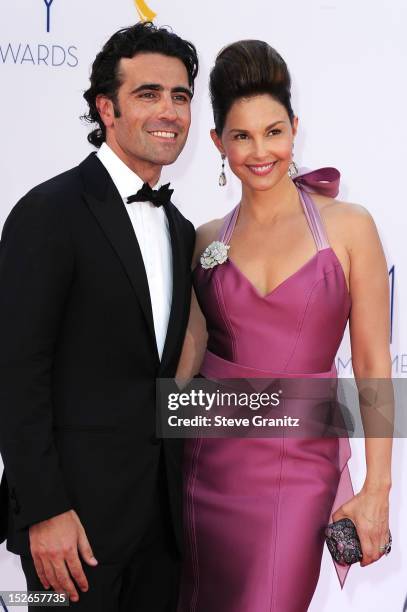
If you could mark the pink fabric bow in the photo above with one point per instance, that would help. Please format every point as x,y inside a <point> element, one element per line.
<point>324,181</point>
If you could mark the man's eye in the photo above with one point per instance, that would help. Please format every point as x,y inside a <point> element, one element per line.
<point>148,94</point>
<point>180,98</point>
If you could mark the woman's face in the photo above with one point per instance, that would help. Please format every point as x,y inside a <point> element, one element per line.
<point>257,140</point>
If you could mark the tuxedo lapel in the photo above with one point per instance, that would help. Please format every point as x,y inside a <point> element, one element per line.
<point>178,285</point>
<point>107,206</point>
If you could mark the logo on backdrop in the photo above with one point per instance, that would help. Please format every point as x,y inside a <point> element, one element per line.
<point>144,11</point>
<point>392,275</point>
<point>399,360</point>
<point>48,4</point>
<point>42,53</point>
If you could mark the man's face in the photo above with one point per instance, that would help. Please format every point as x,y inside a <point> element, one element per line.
<point>154,102</point>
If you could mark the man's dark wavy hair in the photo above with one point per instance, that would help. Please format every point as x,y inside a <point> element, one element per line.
<point>143,37</point>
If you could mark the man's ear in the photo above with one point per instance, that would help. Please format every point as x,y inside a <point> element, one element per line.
<point>217,141</point>
<point>105,109</point>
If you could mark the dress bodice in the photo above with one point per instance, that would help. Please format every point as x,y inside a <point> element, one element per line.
<point>297,327</point>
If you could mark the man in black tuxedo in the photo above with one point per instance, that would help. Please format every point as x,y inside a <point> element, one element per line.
<point>94,301</point>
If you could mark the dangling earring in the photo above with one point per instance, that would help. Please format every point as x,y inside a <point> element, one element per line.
<point>292,168</point>
<point>222,176</point>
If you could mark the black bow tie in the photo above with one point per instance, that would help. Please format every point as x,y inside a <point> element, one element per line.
<point>157,196</point>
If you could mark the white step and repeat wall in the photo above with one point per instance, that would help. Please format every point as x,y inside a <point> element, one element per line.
<point>348,62</point>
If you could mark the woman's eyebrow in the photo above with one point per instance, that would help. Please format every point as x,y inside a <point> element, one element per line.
<point>267,128</point>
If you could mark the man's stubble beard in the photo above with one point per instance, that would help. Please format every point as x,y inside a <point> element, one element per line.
<point>153,156</point>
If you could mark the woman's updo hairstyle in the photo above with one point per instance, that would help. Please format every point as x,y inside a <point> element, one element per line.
<point>244,69</point>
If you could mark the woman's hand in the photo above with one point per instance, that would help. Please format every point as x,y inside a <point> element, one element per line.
<point>369,510</point>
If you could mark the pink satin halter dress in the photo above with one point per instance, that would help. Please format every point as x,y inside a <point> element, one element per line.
<point>255,509</point>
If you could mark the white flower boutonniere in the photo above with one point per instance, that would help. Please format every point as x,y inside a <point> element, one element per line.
<point>214,254</point>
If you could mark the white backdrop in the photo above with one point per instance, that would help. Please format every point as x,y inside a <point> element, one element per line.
<point>347,60</point>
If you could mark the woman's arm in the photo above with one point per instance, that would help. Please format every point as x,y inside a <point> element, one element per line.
<point>370,338</point>
<point>196,335</point>
<point>194,346</point>
<point>370,343</point>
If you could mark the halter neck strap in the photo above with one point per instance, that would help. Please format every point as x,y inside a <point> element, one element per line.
<point>229,225</point>
<point>324,181</point>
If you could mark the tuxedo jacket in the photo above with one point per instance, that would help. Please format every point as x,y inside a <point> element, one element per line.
<point>79,363</point>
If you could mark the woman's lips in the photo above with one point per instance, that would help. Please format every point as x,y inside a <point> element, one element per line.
<point>261,169</point>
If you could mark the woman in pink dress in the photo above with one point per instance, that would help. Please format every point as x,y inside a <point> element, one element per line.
<point>300,264</point>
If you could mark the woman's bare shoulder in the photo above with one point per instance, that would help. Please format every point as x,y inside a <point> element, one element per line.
<point>327,205</point>
<point>351,220</point>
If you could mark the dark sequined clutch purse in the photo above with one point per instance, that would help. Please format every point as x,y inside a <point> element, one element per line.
<point>343,542</point>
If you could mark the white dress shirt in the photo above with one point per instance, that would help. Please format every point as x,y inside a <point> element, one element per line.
<point>150,225</point>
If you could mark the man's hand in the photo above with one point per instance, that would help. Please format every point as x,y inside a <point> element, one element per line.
<point>54,547</point>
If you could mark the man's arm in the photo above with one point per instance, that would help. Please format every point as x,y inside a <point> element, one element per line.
<point>36,270</point>
<point>36,267</point>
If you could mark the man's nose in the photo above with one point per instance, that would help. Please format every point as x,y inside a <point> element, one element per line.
<point>168,109</point>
